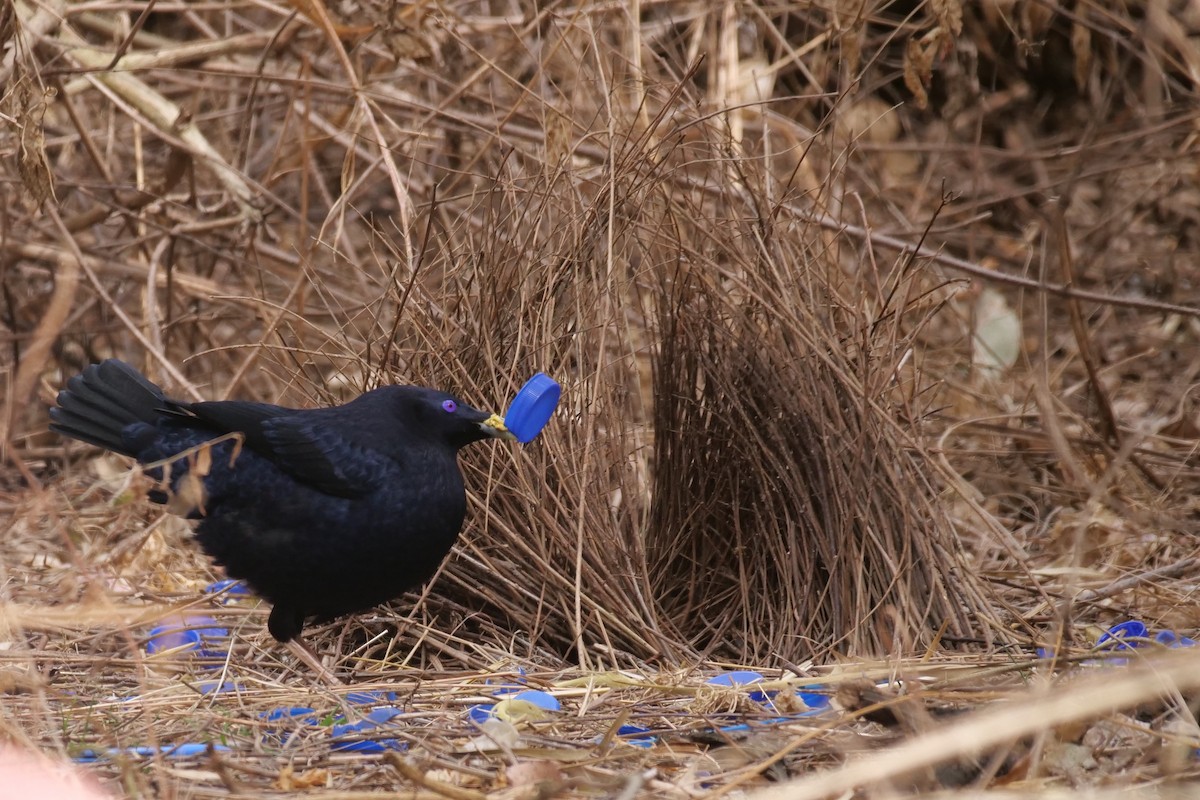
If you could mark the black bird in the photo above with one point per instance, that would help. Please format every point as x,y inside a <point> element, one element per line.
<point>323,512</point>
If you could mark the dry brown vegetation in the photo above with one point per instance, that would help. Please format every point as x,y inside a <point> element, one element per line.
<point>877,329</point>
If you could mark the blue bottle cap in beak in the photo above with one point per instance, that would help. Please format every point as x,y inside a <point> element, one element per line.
<point>532,408</point>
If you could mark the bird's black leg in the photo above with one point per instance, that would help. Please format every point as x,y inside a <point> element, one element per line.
<point>285,622</point>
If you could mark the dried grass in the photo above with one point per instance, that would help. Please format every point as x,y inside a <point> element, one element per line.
<point>749,271</point>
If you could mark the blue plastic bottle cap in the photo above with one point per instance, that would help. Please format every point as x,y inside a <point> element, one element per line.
<point>188,634</point>
<point>737,677</point>
<point>481,713</point>
<point>532,407</point>
<point>1119,636</point>
<point>543,700</point>
<point>172,637</point>
<point>229,586</point>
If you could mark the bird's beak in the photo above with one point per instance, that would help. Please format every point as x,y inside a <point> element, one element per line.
<point>494,426</point>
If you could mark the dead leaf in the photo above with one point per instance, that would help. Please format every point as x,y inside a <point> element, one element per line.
<point>201,463</point>
<point>19,681</point>
<point>918,70</point>
<point>1081,46</point>
<point>543,777</point>
<point>949,15</point>
<point>996,343</point>
<point>27,106</point>
<point>189,495</point>
<point>495,734</point>
<point>288,780</point>
<point>517,711</point>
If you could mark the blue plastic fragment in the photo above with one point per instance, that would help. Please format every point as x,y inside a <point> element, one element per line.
<point>636,735</point>
<point>367,698</point>
<point>374,719</point>
<point>341,729</point>
<point>216,687</point>
<point>171,637</point>
<point>1169,639</point>
<point>532,408</point>
<point>198,635</point>
<point>1116,637</point>
<point>480,714</point>
<point>368,746</point>
<point>541,699</point>
<point>185,750</point>
<point>742,677</point>
<point>1128,635</point>
<point>814,699</point>
<point>305,714</point>
<point>230,589</point>
<point>296,715</point>
<point>737,677</point>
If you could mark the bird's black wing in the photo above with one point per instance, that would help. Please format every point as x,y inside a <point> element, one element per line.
<point>319,454</point>
<point>228,416</point>
<point>307,445</point>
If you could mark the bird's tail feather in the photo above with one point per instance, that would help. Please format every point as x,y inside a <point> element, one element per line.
<point>102,401</point>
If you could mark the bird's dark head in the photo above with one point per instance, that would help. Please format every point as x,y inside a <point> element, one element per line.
<point>428,413</point>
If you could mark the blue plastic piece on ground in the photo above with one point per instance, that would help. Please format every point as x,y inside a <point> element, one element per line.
<point>214,687</point>
<point>297,715</point>
<point>170,637</point>
<point>372,719</point>
<point>185,750</point>
<point>1116,637</point>
<point>368,746</point>
<point>740,727</point>
<point>231,588</point>
<point>1169,639</point>
<point>814,699</point>
<point>306,715</point>
<point>532,408</point>
<point>480,714</point>
<point>376,718</point>
<point>737,677</point>
<point>541,699</point>
<point>366,698</point>
<point>636,735</point>
<point>195,635</point>
<point>742,677</point>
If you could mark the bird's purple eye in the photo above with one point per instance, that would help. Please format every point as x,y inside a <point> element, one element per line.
<point>449,406</point>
